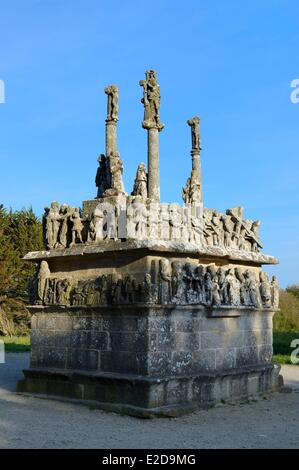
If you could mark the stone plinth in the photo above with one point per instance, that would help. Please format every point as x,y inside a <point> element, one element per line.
<point>144,349</point>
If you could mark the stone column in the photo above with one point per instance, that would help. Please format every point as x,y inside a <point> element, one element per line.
<point>111,120</point>
<point>111,142</point>
<point>151,122</point>
<point>153,164</point>
<point>196,178</point>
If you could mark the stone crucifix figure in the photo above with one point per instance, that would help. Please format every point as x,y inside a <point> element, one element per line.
<point>112,104</point>
<point>151,101</point>
<point>111,119</point>
<point>192,193</point>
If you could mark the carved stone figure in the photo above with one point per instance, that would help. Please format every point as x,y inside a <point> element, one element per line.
<point>164,222</point>
<point>129,289</point>
<point>194,124</point>
<point>244,290</point>
<point>151,101</point>
<point>77,227</point>
<point>112,104</point>
<point>78,297</point>
<point>253,289</point>
<point>275,292</point>
<point>228,227</point>
<point>109,223</point>
<point>95,232</point>
<point>175,222</point>
<point>140,218</point>
<point>117,292</point>
<point>140,183</point>
<point>116,169</point>
<point>233,288</point>
<point>191,193</point>
<point>216,228</point>
<point>265,290</point>
<point>51,225</point>
<point>63,289</point>
<point>147,288</point>
<point>188,279</point>
<point>165,281</point>
<point>223,286</point>
<point>42,276</point>
<point>64,216</point>
<point>130,220</point>
<point>103,176</point>
<point>199,287</point>
<point>215,293</point>
<point>50,291</point>
<point>196,230</point>
<point>178,285</point>
<point>255,240</point>
<point>208,288</point>
<point>186,225</point>
<point>153,220</point>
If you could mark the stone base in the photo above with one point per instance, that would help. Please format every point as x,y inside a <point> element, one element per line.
<point>147,397</point>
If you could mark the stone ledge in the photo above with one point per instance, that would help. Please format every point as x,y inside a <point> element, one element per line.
<point>147,397</point>
<point>144,309</point>
<point>153,247</point>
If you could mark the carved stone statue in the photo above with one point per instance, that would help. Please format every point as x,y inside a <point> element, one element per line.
<point>77,227</point>
<point>223,285</point>
<point>51,225</point>
<point>63,289</point>
<point>233,288</point>
<point>178,285</point>
<point>116,168</point>
<point>194,124</point>
<point>265,290</point>
<point>103,176</point>
<point>191,193</point>
<point>253,289</point>
<point>255,240</point>
<point>140,183</point>
<point>64,217</point>
<point>164,222</point>
<point>42,276</point>
<point>275,292</point>
<point>151,101</point>
<point>175,222</point>
<point>140,218</point>
<point>112,106</point>
<point>153,220</point>
<point>165,281</point>
<point>228,227</point>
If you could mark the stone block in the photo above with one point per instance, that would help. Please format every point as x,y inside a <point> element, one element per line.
<point>119,361</point>
<point>182,362</point>
<point>246,356</point>
<point>187,341</point>
<point>204,360</point>
<point>225,358</point>
<point>82,359</point>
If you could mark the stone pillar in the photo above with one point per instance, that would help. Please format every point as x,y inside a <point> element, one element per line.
<point>111,142</point>
<point>111,120</point>
<point>196,169</point>
<point>151,122</point>
<point>153,164</point>
<point>195,181</point>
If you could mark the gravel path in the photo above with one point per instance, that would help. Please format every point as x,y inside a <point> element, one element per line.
<point>28,422</point>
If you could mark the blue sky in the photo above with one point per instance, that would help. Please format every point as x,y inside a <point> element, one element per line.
<point>231,62</point>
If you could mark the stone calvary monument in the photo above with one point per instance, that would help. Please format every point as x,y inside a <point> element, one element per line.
<point>148,308</point>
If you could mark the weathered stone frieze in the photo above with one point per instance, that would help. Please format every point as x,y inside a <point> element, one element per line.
<point>177,283</point>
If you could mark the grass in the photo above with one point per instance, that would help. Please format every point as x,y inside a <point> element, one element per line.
<point>282,345</point>
<point>16,343</point>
